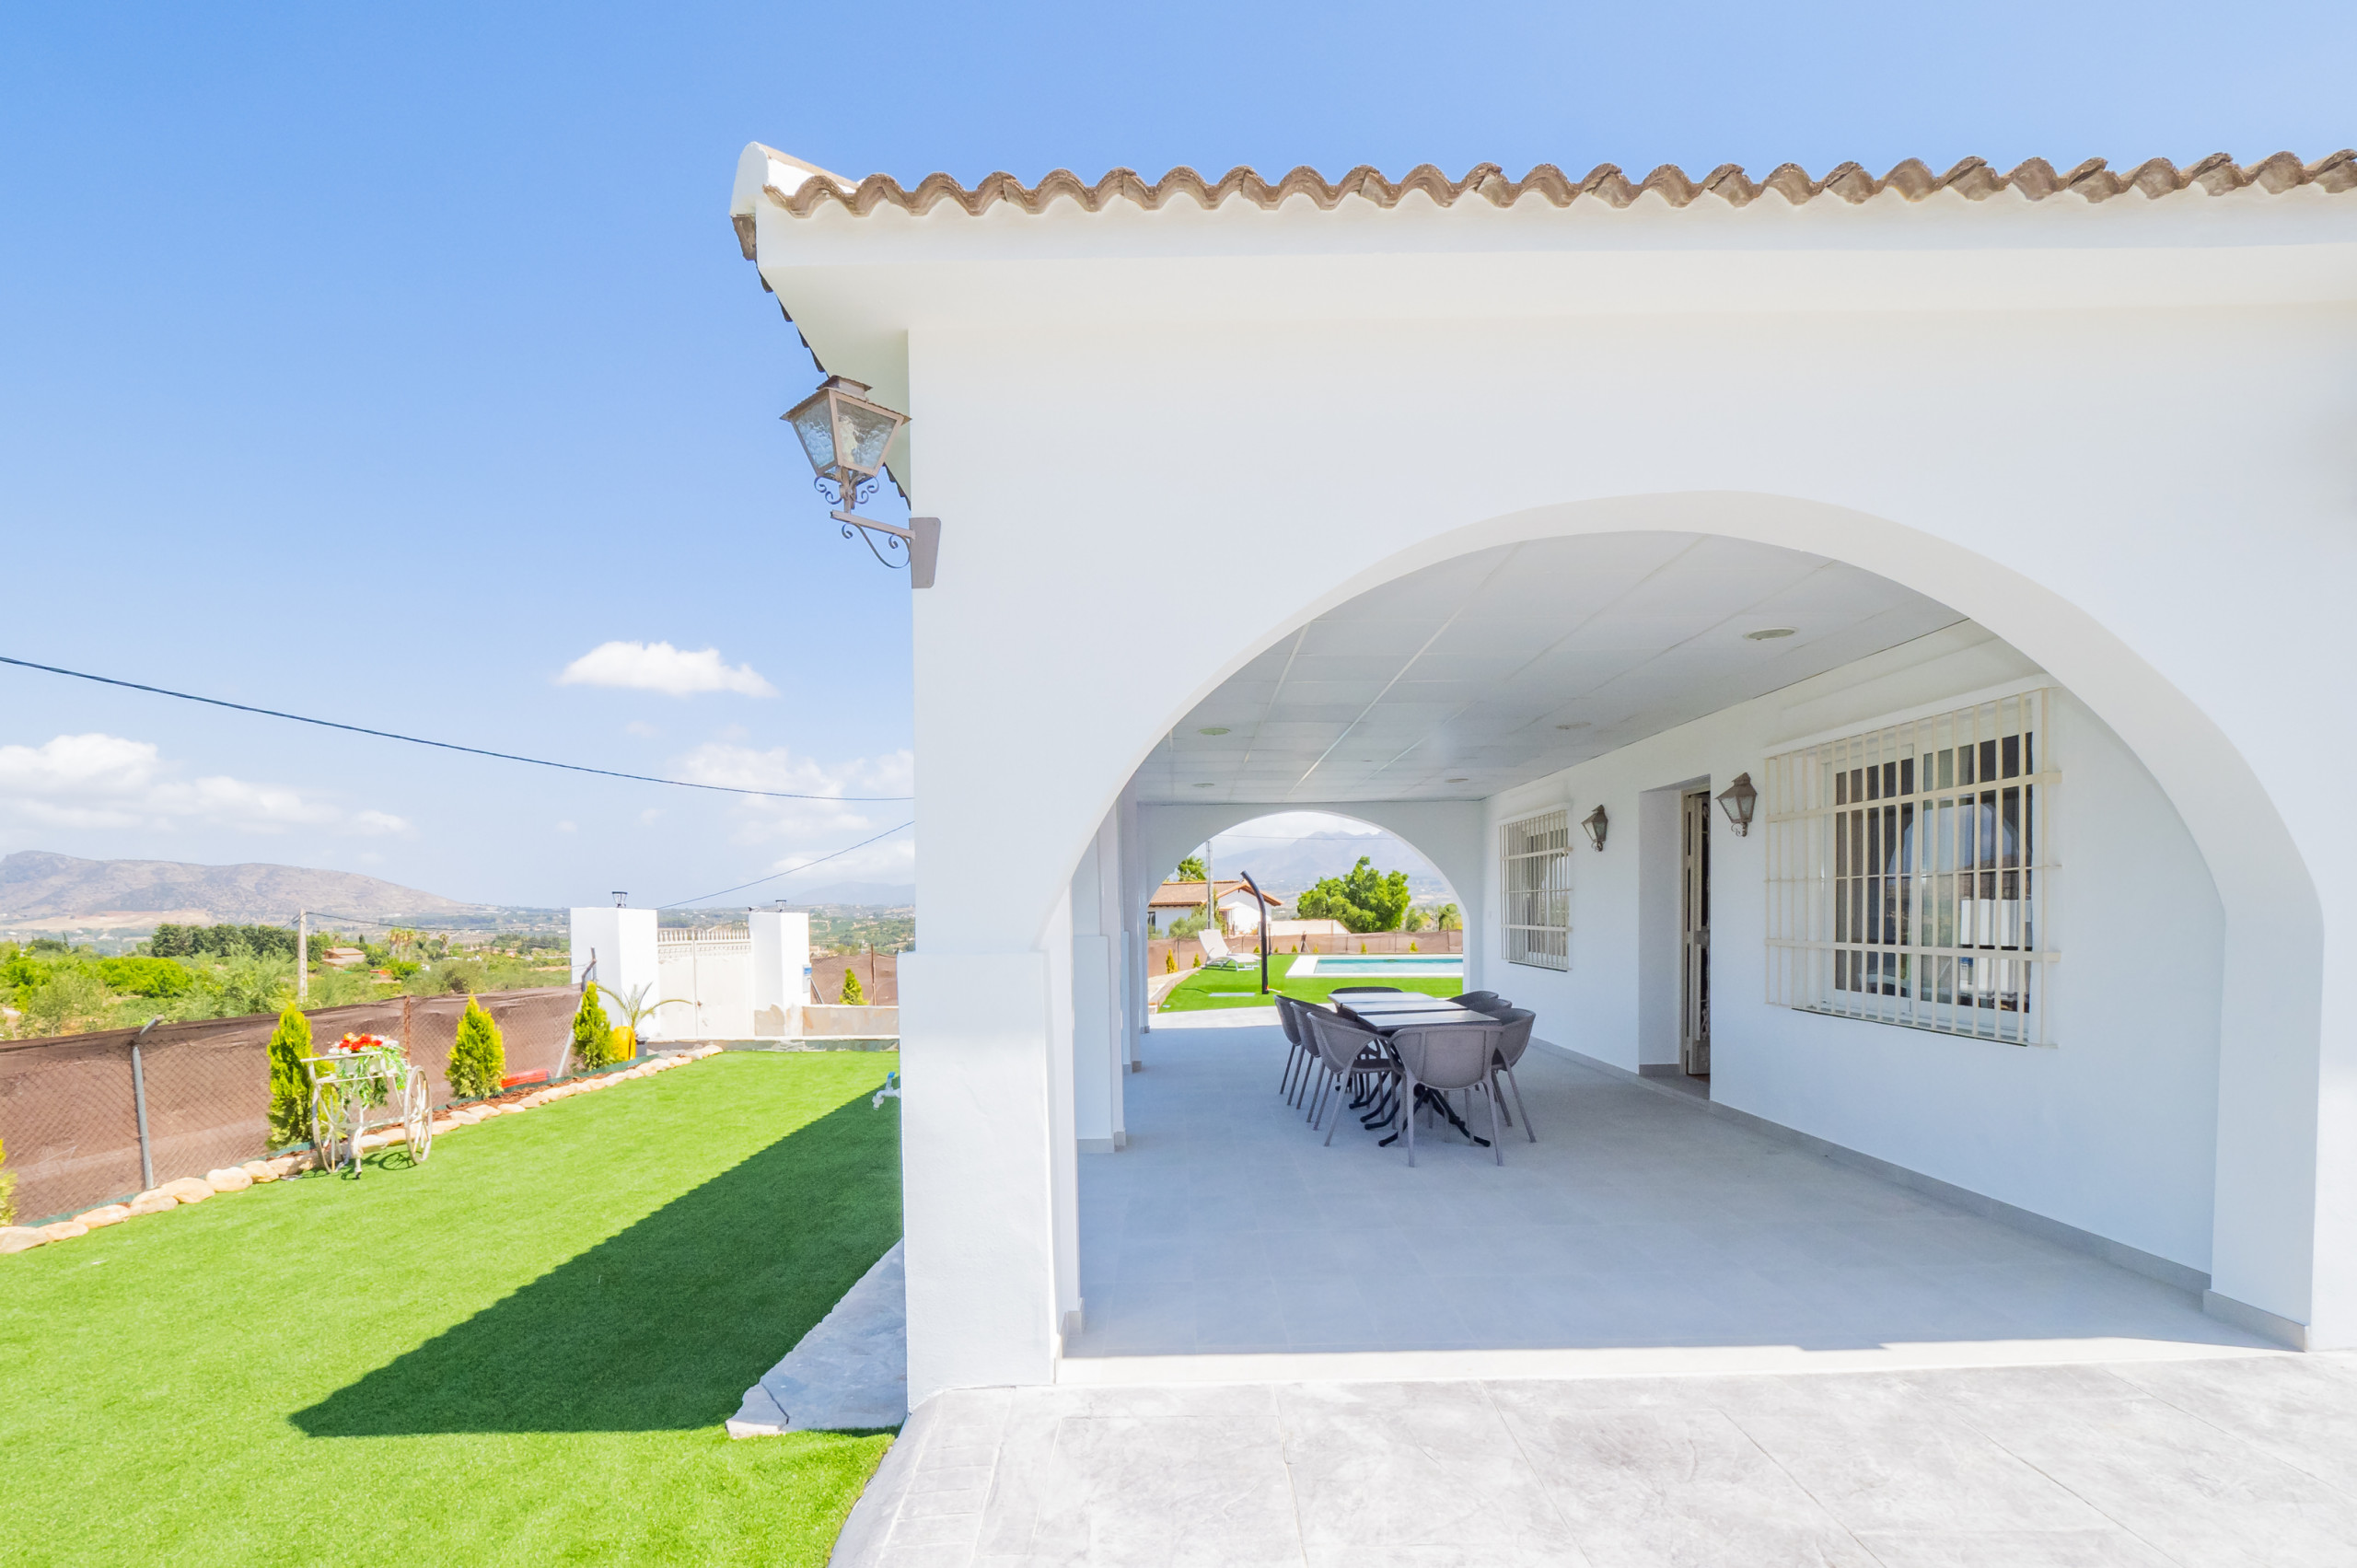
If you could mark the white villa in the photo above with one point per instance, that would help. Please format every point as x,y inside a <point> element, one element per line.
<point>1936,580</point>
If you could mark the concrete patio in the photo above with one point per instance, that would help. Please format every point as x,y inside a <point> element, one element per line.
<point>2207,1464</point>
<point>1658,1336</point>
<point>1641,1232</point>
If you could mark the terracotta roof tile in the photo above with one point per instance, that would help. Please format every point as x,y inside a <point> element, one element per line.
<point>1973,178</point>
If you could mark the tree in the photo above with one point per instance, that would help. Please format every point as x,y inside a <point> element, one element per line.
<point>852,995</point>
<point>1193,869</point>
<point>290,1091</point>
<point>1365,900</point>
<point>478,1061</point>
<point>593,1033</point>
<point>1447,918</point>
<point>7,1189</point>
<point>1416,920</point>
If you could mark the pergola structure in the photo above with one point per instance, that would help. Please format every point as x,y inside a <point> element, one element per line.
<point>1993,526</point>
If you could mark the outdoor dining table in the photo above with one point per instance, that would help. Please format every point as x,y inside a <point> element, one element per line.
<point>1387,1013</point>
<point>1384,1013</point>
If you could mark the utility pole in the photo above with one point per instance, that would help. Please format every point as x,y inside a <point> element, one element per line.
<point>302,958</point>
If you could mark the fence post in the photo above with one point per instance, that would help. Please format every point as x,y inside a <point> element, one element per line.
<point>139,1107</point>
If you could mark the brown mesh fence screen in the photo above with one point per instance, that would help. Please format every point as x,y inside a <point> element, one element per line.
<point>68,1116</point>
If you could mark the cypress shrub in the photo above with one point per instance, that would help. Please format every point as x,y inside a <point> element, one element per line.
<point>477,1060</point>
<point>290,1091</point>
<point>8,1189</point>
<point>593,1033</point>
<point>852,995</point>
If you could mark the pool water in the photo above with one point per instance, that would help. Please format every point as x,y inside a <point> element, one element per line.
<point>1437,963</point>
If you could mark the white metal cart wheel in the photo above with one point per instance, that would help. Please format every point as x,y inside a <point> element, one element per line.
<point>417,1116</point>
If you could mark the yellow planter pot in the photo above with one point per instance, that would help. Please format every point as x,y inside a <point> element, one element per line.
<point>625,1044</point>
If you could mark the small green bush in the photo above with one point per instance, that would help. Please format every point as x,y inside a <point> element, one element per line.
<point>593,1033</point>
<point>852,995</point>
<point>8,1189</point>
<point>478,1061</point>
<point>290,1091</point>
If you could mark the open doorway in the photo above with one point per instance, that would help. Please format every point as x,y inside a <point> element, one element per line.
<point>1694,934</point>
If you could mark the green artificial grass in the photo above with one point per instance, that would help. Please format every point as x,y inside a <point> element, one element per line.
<point>1241,988</point>
<point>520,1352</point>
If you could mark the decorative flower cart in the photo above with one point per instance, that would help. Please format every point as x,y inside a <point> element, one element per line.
<point>362,1081</point>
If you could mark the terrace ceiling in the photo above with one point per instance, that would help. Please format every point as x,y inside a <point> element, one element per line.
<point>1501,666</point>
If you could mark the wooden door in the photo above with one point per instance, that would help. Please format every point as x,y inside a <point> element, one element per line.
<point>1694,938</point>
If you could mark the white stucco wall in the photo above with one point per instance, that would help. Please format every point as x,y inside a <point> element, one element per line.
<point>2112,1129</point>
<point>2115,437</point>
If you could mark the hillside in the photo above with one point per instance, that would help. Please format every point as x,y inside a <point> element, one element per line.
<point>37,887</point>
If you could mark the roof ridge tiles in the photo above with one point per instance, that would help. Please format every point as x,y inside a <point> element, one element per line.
<point>1972,178</point>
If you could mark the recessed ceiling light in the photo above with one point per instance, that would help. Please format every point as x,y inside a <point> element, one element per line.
<point>1458,781</point>
<point>1769,634</point>
<point>1213,729</point>
<point>1206,784</point>
<point>1575,724</point>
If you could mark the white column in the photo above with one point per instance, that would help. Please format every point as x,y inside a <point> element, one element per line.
<point>1098,1056</point>
<point>976,1170</point>
<point>781,971</point>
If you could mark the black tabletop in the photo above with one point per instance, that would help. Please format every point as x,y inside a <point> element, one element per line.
<point>1378,1011</point>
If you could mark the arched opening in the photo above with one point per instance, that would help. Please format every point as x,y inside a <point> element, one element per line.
<point>1555,665</point>
<point>1315,894</point>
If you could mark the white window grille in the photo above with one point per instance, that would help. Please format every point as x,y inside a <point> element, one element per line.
<point>1909,873</point>
<point>1536,853</point>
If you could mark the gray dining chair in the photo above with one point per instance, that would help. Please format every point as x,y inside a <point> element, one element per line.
<point>1445,1058</point>
<point>1362,990</point>
<point>1481,1001</point>
<point>1299,1049</point>
<point>1518,1022</point>
<point>1347,1055</point>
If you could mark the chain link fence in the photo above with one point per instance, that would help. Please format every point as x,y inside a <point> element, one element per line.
<point>78,1113</point>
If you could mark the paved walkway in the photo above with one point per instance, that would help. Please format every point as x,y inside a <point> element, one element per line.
<point>2202,1464</point>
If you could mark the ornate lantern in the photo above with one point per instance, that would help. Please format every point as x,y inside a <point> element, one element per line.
<point>1596,823</point>
<point>845,436</point>
<point>1738,798</point>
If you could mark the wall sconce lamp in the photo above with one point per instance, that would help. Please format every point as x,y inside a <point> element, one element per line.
<point>1738,798</point>
<point>845,434</point>
<point>1596,823</point>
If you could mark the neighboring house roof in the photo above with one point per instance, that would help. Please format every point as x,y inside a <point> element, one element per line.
<point>1190,895</point>
<point>800,188</point>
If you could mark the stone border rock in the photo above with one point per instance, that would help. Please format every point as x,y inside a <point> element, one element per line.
<point>237,1179</point>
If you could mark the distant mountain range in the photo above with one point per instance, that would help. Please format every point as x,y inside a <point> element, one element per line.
<point>38,889</point>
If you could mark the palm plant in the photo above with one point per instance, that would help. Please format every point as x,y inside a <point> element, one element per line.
<point>633,1006</point>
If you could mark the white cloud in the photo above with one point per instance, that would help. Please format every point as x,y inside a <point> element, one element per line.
<point>106,781</point>
<point>659,667</point>
<point>808,829</point>
<point>642,729</point>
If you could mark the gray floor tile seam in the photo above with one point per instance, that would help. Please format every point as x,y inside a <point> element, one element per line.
<point>2116,1523</point>
<point>2290,1459</point>
<point>1537,1473</point>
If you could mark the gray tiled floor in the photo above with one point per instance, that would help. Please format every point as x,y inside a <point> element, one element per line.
<point>2242,1461</point>
<point>1639,1227</point>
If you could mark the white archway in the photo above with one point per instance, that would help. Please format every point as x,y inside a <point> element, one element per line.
<point>2265,1221</point>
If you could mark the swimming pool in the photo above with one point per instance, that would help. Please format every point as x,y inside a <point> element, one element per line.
<point>1314,965</point>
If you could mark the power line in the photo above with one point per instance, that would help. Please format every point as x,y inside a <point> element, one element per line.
<point>787,872</point>
<point>440,745</point>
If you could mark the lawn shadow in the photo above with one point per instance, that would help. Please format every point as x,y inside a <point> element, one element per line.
<point>664,1326</point>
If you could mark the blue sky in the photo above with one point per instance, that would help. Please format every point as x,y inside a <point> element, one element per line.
<point>302,403</point>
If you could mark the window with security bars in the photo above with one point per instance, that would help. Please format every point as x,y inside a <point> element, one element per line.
<point>1909,877</point>
<point>1536,854</point>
